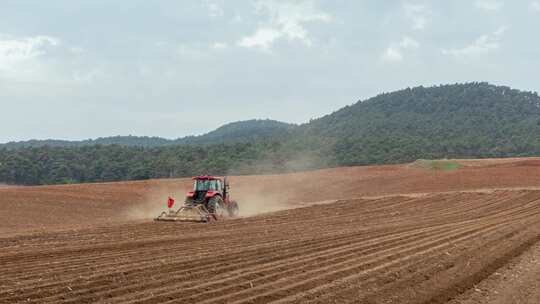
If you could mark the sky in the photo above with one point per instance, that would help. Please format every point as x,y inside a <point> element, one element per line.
<point>93,68</point>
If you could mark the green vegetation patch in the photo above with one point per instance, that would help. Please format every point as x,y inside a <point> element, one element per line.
<point>443,165</point>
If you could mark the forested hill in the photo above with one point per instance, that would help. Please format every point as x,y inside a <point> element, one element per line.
<point>462,120</point>
<point>241,131</point>
<point>133,141</point>
<point>470,120</point>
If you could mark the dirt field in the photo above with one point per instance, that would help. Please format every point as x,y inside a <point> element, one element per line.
<point>452,239</point>
<point>42,209</point>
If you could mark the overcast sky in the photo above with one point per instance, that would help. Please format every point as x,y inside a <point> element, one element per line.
<point>76,69</point>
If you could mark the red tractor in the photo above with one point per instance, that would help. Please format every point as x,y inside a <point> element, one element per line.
<point>209,200</point>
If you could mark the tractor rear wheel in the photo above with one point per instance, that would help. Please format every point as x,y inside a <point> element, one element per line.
<point>215,207</point>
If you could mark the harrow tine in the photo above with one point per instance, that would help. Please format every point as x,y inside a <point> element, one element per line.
<point>185,214</point>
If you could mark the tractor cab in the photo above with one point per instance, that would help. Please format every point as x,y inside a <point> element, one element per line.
<point>205,187</point>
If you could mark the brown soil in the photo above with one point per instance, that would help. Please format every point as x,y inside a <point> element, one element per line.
<point>427,249</point>
<point>93,243</point>
<point>518,283</point>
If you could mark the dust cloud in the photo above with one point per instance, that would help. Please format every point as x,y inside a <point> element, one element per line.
<point>254,203</point>
<point>255,194</point>
<point>155,201</point>
<point>259,194</point>
<point>253,198</point>
<point>297,162</point>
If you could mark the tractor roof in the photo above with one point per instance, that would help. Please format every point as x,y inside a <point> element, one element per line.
<point>206,177</point>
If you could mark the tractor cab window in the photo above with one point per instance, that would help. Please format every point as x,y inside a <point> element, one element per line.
<point>206,185</point>
<point>200,185</point>
<point>212,185</point>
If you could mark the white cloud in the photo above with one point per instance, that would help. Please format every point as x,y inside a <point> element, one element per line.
<point>394,53</point>
<point>285,20</point>
<point>408,43</point>
<point>418,14</point>
<point>215,9</point>
<point>483,44</point>
<point>489,5</point>
<point>46,60</point>
<point>18,50</point>
<point>263,38</point>
<point>42,59</point>
<point>535,6</point>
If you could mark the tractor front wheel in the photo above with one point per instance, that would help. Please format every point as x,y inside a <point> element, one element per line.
<point>233,209</point>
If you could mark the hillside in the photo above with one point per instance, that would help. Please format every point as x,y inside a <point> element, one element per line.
<point>241,131</point>
<point>449,121</point>
<point>128,141</point>
<point>473,120</point>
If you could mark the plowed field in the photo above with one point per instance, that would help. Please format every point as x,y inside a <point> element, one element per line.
<point>398,249</point>
<point>415,233</point>
<point>46,208</point>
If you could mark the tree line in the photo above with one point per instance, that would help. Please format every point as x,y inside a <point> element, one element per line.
<point>473,120</point>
